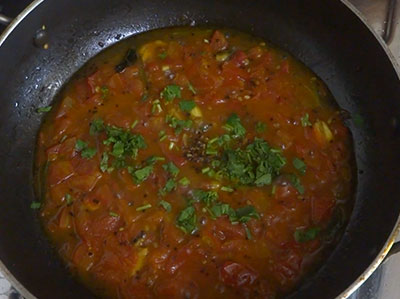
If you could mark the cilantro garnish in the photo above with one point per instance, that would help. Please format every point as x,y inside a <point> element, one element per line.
<point>140,175</point>
<point>227,189</point>
<point>113,214</point>
<point>96,126</point>
<point>153,159</point>
<point>234,126</point>
<point>299,165</point>
<point>242,215</point>
<point>178,124</point>
<point>187,105</point>
<point>220,209</point>
<point>35,205</point>
<point>186,220</point>
<point>166,205</point>
<point>248,233</point>
<point>171,168</point>
<point>43,109</point>
<point>68,199</point>
<point>163,55</point>
<point>124,143</point>
<point>191,88</point>
<point>257,164</point>
<point>104,162</point>
<point>170,185</point>
<point>207,197</point>
<point>104,92</point>
<point>184,181</point>
<point>86,152</point>
<point>245,213</point>
<point>295,181</point>
<point>171,92</point>
<point>305,235</point>
<point>305,122</point>
<point>144,207</point>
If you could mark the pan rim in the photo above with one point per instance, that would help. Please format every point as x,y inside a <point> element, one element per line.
<point>396,229</point>
<point>3,37</point>
<point>366,273</point>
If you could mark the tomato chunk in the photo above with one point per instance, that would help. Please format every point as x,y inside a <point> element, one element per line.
<point>237,275</point>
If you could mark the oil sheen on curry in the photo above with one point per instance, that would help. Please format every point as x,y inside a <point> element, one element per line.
<point>194,163</point>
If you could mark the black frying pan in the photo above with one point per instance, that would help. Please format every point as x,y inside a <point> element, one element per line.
<point>326,35</point>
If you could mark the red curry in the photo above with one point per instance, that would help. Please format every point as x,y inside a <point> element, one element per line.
<point>193,163</point>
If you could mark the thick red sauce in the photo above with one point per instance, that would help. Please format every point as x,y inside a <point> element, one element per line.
<point>198,164</point>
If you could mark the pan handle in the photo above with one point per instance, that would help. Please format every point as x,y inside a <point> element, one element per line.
<point>4,20</point>
<point>393,250</point>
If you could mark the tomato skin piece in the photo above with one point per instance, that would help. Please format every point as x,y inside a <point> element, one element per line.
<point>60,171</point>
<point>237,275</point>
<point>218,41</point>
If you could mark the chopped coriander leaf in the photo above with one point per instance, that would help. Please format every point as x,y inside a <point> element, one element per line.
<point>144,207</point>
<point>118,149</point>
<point>245,213</point>
<point>248,233</point>
<point>118,163</point>
<point>113,214</point>
<point>295,181</point>
<point>162,135</point>
<point>256,165</point>
<point>273,190</point>
<point>205,170</point>
<point>300,165</point>
<point>124,142</point>
<point>305,235</point>
<point>104,91</point>
<point>68,199</point>
<point>153,159</point>
<point>186,220</point>
<point>220,209</point>
<point>178,124</point>
<point>171,92</point>
<point>163,55</point>
<point>134,124</point>
<point>140,175</point>
<point>184,181</point>
<point>35,205</point>
<point>88,153</point>
<point>207,197</point>
<point>305,122</point>
<point>191,88</point>
<point>227,189</point>
<point>261,127</point>
<point>96,126</point>
<point>171,168</point>
<point>104,162</point>
<point>234,126</point>
<point>212,152</point>
<point>166,205</point>
<point>43,109</point>
<point>156,107</point>
<point>187,105</point>
<point>80,145</point>
<point>263,180</point>
<point>170,185</point>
